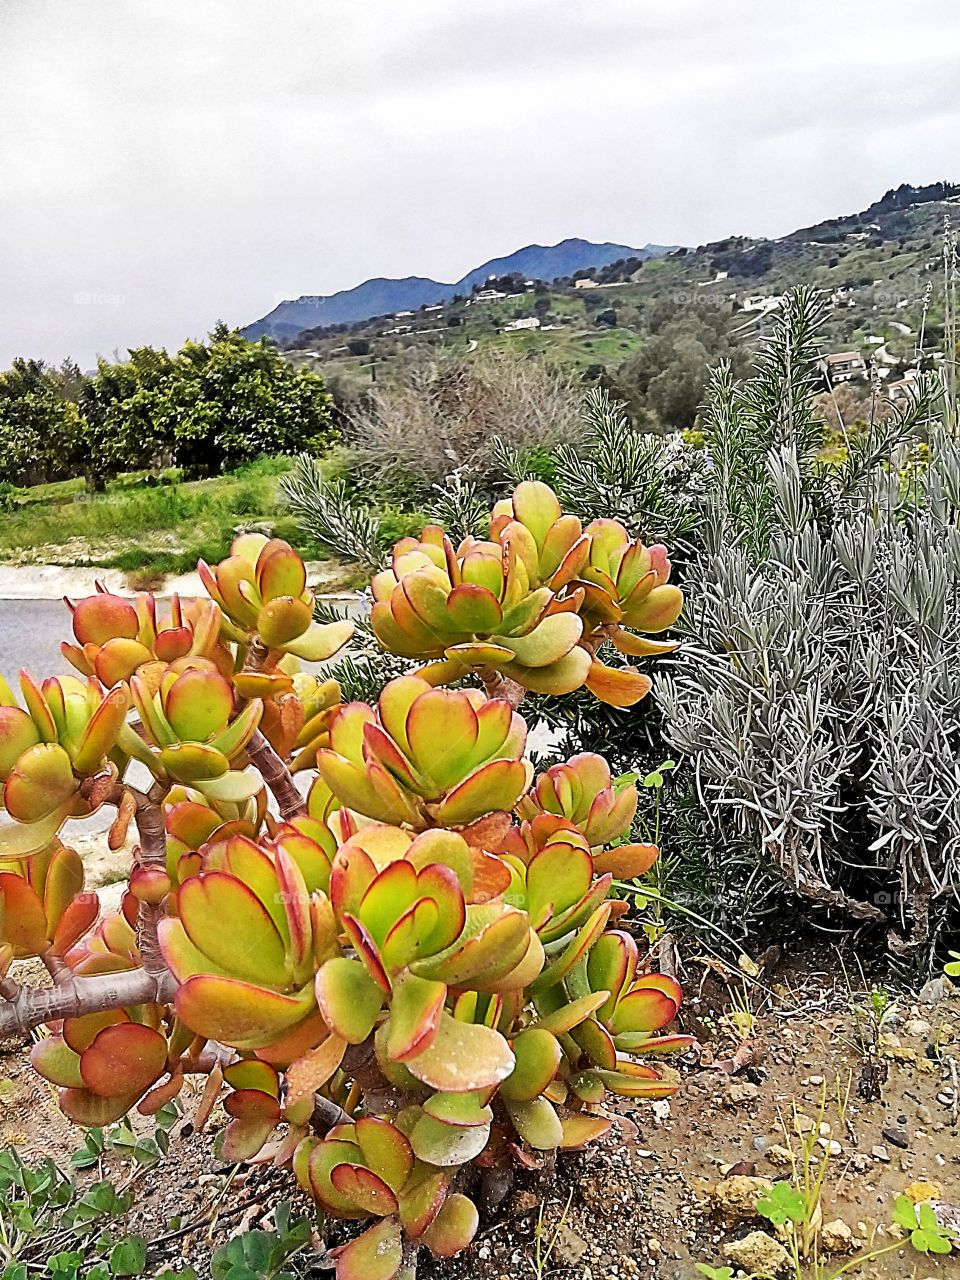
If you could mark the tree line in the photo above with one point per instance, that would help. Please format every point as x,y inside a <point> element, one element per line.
<point>207,408</point>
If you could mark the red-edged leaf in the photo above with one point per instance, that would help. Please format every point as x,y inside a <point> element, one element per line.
<point>349,999</point>
<point>385,1149</point>
<point>368,1191</point>
<point>123,1059</point>
<point>414,1015</point>
<point>239,1013</point>
<point>453,1228</point>
<point>376,1255</point>
<point>311,1071</point>
<point>462,1057</point>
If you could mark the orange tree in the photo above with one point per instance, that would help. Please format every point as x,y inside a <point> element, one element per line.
<point>406,970</point>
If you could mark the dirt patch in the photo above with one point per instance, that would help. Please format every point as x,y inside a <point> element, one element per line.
<point>644,1202</point>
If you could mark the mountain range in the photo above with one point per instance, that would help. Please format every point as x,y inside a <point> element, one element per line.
<point>384,296</point>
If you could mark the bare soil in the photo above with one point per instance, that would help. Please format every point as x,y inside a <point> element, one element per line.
<point>644,1202</point>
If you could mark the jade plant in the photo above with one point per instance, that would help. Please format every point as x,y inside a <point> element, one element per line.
<point>389,944</point>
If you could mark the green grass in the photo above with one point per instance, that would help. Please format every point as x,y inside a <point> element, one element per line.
<point>146,529</point>
<point>574,348</point>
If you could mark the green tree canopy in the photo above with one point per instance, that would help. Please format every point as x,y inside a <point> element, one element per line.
<point>208,408</point>
<point>39,425</point>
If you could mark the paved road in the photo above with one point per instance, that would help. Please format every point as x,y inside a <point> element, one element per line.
<point>30,635</point>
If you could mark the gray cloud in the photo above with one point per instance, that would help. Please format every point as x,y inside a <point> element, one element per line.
<point>163,165</point>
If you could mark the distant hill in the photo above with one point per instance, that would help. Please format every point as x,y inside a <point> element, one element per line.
<point>880,268</point>
<point>894,201</point>
<point>380,297</point>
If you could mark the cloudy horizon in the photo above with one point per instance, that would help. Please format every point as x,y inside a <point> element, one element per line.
<point>165,167</point>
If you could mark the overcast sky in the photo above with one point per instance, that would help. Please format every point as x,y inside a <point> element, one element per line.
<point>164,163</point>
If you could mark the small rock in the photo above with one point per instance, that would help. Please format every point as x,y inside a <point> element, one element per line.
<point>881,1153</point>
<point>917,1027</point>
<point>737,1197</point>
<point>523,1202</point>
<point>739,1092</point>
<point>779,1156</point>
<point>933,992</point>
<point>802,1123</point>
<point>758,1253</point>
<point>897,1136</point>
<point>654,1246</point>
<point>830,1145</point>
<point>569,1248</point>
<point>815,1080</point>
<point>836,1237</point>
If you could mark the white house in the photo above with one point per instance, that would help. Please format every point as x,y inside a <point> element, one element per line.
<point>525,322</point>
<point>904,388</point>
<point>762,302</point>
<point>843,366</point>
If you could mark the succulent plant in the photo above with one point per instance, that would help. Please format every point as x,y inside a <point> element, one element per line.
<point>425,756</point>
<point>411,969</point>
<point>534,602</point>
<point>189,731</point>
<point>104,1063</point>
<point>67,733</point>
<point>118,637</point>
<point>242,941</point>
<point>43,908</point>
<point>583,792</point>
<point>262,590</point>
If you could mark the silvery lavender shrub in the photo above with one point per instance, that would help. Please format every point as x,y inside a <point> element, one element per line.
<point>816,701</point>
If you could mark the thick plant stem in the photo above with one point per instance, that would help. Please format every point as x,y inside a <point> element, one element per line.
<point>497,685</point>
<point>269,765</point>
<point>56,966</point>
<point>153,852</point>
<point>74,996</point>
<point>277,777</point>
<point>327,1115</point>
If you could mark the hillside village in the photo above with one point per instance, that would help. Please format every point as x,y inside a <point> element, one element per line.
<point>880,268</point>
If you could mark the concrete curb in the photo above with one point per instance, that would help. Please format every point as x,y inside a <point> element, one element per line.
<point>54,581</point>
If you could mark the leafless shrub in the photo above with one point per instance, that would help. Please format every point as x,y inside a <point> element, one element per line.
<point>442,416</point>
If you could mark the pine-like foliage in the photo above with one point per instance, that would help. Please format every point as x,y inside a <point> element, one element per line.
<point>460,507</point>
<point>648,480</point>
<point>361,669</point>
<point>325,512</point>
